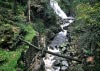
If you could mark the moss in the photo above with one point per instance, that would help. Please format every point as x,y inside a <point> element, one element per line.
<point>12,23</point>
<point>30,33</point>
<point>11,57</point>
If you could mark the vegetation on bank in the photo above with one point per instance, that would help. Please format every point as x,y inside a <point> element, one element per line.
<point>12,26</point>
<point>84,31</point>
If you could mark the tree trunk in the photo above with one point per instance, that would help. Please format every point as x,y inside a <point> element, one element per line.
<point>71,9</point>
<point>28,3</point>
<point>15,7</point>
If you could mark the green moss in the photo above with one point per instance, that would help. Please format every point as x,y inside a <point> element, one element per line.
<point>11,60</point>
<point>11,57</point>
<point>30,33</point>
<point>8,59</point>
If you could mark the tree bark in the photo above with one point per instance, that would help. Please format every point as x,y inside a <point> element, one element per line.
<point>36,48</point>
<point>15,7</point>
<point>28,4</point>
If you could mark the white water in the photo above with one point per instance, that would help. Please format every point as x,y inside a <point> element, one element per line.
<point>60,13</point>
<point>49,59</point>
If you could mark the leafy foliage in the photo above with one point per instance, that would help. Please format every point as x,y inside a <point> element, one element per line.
<point>86,29</point>
<point>90,24</point>
<point>8,34</point>
<point>10,28</point>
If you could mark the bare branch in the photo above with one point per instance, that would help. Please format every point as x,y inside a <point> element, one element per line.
<point>66,57</point>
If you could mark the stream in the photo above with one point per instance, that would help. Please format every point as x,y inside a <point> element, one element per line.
<point>54,63</point>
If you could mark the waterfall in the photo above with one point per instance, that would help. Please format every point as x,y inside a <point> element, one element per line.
<point>54,63</point>
<point>60,13</point>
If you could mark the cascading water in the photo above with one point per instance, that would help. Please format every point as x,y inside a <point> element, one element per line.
<point>54,63</point>
<point>60,13</point>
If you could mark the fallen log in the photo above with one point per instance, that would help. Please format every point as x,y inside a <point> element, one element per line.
<point>59,55</point>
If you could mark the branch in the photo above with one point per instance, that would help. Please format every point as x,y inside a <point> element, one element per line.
<point>59,55</point>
